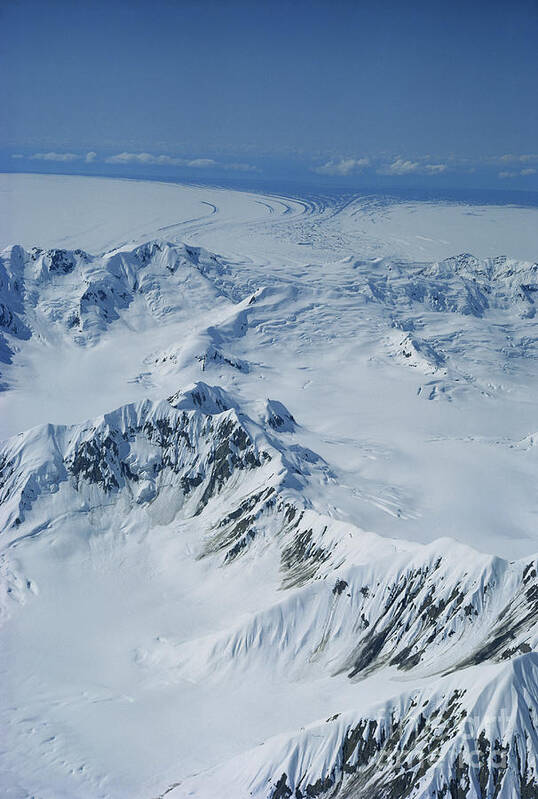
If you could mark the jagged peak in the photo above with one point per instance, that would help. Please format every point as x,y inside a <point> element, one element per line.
<point>201,445</point>
<point>278,417</point>
<point>203,397</point>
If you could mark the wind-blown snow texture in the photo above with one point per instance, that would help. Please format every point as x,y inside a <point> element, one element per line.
<point>267,495</point>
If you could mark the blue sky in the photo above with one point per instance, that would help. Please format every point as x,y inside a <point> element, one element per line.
<point>426,93</point>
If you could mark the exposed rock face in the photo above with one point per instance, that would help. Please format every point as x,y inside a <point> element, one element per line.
<point>85,293</point>
<point>194,444</point>
<point>12,320</point>
<point>279,418</point>
<point>426,745</point>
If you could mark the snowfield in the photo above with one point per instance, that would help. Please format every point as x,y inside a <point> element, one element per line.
<point>268,502</point>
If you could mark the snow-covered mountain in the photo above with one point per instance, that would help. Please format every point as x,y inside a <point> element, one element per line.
<point>457,739</point>
<point>268,524</point>
<point>353,603</point>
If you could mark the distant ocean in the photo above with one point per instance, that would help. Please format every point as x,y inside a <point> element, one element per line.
<point>527,199</point>
<point>310,190</point>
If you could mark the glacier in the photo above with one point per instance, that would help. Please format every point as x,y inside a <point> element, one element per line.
<point>267,494</point>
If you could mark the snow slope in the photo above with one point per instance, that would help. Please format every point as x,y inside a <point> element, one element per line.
<point>267,495</point>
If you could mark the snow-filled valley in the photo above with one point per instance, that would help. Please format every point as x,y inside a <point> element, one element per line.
<point>268,506</point>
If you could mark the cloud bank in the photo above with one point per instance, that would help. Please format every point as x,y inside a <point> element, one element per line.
<point>524,159</point>
<point>400,166</point>
<point>517,173</point>
<point>343,166</point>
<point>498,167</point>
<point>137,158</point>
<point>59,157</point>
<point>55,157</point>
<point>405,167</point>
<point>169,160</point>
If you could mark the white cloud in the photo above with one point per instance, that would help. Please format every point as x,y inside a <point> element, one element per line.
<point>518,173</point>
<point>140,158</point>
<point>201,162</point>
<point>400,167</point>
<point>511,158</point>
<point>168,160</point>
<point>143,158</point>
<point>344,166</point>
<point>60,157</point>
<point>435,169</point>
<point>406,167</point>
<point>241,167</point>
<point>55,157</point>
